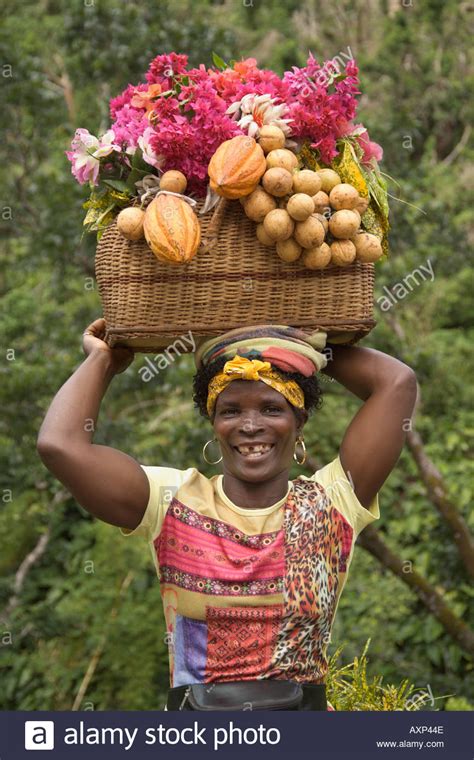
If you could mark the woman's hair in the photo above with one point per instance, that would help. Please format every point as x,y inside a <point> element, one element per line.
<point>309,386</point>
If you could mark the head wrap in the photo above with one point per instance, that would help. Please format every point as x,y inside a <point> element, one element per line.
<point>257,352</point>
<point>241,368</point>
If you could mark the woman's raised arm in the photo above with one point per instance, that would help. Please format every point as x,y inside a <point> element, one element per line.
<point>108,483</point>
<point>374,439</point>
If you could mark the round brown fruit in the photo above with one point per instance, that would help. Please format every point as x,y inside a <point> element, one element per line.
<point>321,202</point>
<point>271,138</point>
<point>278,224</point>
<point>324,221</point>
<point>362,205</point>
<point>282,158</point>
<point>300,206</point>
<point>130,223</point>
<point>310,233</point>
<point>329,179</point>
<point>318,257</point>
<point>343,196</point>
<point>306,181</point>
<point>342,252</point>
<point>263,237</point>
<point>258,204</point>
<point>344,224</point>
<point>288,250</point>
<point>174,181</point>
<point>368,247</point>
<point>277,181</point>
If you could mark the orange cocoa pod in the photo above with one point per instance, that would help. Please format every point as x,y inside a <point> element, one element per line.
<point>172,229</point>
<point>236,167</point>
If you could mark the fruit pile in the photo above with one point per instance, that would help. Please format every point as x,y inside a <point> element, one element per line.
<point>304,214</point>
<point>169,224</point>
<point>301,213</point>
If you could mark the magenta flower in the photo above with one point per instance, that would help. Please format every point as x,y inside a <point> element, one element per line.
<point>371,149</point>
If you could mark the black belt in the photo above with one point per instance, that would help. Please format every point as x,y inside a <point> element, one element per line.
<point>259,694</point>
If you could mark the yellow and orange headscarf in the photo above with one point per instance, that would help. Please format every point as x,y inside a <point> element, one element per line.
<point>268,348</point>
<point>241,368</point>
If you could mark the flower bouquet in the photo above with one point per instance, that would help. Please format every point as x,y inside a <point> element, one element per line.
<point>229,195</point>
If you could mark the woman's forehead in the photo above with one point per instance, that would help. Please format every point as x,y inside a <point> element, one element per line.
<point>249,390</point>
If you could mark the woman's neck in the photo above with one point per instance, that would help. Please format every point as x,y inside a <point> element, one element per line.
<point>257,495</point>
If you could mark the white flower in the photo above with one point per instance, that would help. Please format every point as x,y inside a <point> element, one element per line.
<point>253,111</point>
<point>149,154</point>
<point>86,152</point>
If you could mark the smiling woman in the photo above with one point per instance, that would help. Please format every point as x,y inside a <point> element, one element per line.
<point>251,565</point>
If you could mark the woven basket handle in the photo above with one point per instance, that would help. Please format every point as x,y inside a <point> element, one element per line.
<point>209,241</point>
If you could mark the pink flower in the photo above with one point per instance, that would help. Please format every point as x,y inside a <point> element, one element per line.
<point>86,152</point>
<point>319,105</point>
<point>246,78</point>
<point>129,125</point>
<point>164,67</point>
<point>371,149</point>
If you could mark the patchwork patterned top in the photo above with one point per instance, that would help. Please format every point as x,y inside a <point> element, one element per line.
<point>250,593</point>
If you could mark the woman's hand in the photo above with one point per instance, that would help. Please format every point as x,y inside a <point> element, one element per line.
<point>92,341</point>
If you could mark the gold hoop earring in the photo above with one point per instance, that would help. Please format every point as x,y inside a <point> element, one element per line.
<point>204,452</point>
<point>300,440</point>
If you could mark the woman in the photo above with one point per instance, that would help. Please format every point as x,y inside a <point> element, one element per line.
<point>251,565</point>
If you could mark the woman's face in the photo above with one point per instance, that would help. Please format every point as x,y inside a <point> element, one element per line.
<point>256,428</point>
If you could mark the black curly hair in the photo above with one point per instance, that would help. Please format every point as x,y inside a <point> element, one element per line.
<point>309,386</point>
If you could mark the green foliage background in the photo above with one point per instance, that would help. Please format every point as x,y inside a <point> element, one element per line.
<point>92,597</point>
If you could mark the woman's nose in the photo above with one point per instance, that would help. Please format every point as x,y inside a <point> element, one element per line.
<point>251,423</point>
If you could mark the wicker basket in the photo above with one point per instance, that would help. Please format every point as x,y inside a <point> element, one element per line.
<point>232,281</point>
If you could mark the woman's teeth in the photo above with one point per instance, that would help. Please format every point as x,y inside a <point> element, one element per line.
<point>254,452</point>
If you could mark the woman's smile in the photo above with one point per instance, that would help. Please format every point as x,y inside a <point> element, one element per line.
<point>254,451</point>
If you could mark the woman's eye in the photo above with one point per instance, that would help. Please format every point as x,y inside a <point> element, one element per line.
<point>272,409</point>
<point>229,411</point>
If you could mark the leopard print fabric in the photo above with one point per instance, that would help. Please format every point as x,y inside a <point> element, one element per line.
<point>318,542</point>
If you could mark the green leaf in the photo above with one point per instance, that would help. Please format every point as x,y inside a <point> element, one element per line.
<point>138,161</point>
<point>117,184</point>
<point>219,62</point>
